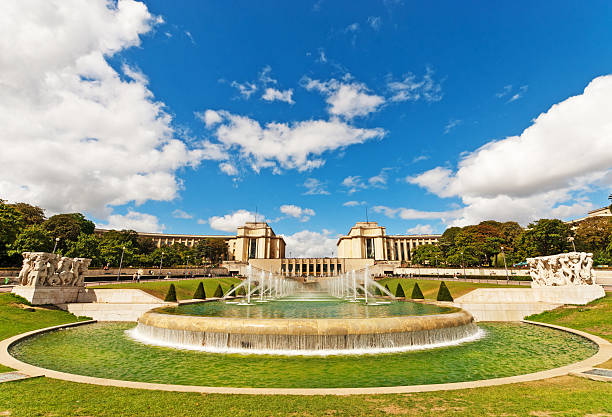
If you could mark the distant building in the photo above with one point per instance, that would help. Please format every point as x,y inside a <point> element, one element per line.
<point>600,212</point>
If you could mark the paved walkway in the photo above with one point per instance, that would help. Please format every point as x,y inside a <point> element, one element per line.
<point>12,376</point>
<point>604,354</point>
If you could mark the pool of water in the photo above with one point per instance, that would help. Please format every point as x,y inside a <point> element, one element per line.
<point>105,350</point>
<point>307,306</point>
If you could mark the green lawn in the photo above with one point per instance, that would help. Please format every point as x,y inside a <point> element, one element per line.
<point>184,288</point>
<point>430,287</point>
<point>564,396</point>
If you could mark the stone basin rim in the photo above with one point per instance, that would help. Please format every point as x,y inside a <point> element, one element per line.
<point>603,354</point>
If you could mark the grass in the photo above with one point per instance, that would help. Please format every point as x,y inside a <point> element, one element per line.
<point>595,318</point>
<point>430,287</point>
<point>563,396</point>
<point>184,288</point>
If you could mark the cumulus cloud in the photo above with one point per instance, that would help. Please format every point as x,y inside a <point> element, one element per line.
<point>410,88</point>
<point>76,134</point>
<point>297,145</point>
<point>231,221</point>
<point>228,168</point>
<point>180,214</point>
<point>347,99</point>
<point>355,183</point>
<point>133,220</point>
<point>315,187</point>
<point>420,229</point>
<point>272,94</point>
<point>303,214</point>
<point>412,214</point>
<point>309,244</point>
<point>354,203</point>
<point>541,172</point>
<point>245,89</point>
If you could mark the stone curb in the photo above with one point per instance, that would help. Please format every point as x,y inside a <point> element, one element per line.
<point>604,353</point>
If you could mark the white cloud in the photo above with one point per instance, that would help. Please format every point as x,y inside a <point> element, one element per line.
<point>315,187</point>
<point>409,88</point>
<point>228,168</point>
<point>354,203</point>
<point>133,220</point>
<point>231,221</point>
<point>75,134</point>
<point>355,183</point>
<point>543,171</point>
<point>304,214</point>
<point>420,229</point>
<point>346,99</point>
<point>245,89</point>
<point>209,117</point>
<point>375,22</point>
<point>308,244</point>
<point>504,92</point>
<point>272,94</point>
<point>420,158</point>
<point>180,214</point>
<point>521,92</point>
<point>453,123</point>
<point>412,214</point>
<point>264,76</point>
<point>298,145</point>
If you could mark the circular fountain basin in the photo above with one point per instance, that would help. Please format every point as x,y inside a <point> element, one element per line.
<point>306,328</point>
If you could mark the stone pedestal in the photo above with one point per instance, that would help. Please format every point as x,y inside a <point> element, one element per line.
<point>48,295</point>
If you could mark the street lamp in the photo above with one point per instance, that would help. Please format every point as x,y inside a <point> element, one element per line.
<point>55,246</point>
<point>505,266</point>
<point>571,239</point>
<point>463,263</point>
<point>160,264</point>
<point>437,266</point>
<point>186,266</point>
<point>120,263</point>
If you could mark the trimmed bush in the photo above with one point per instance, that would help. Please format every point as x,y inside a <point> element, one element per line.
<point>387,288</point>
<point>417,294</point>
<point>171,295</point>
<point>200,294</point>
<point>218,292</point>
<point>443,293</point>
<point>241,291</point>
<point>230,290</point>
<point>399,291</point>
<point>377,291</point>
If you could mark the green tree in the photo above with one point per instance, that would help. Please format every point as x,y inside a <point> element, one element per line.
<point>427,255</point>
<point>593,234</point>
<point>417,294</point>
<point>68,227</point>
<point>545,237</point>
<point>211,249</point>
<point>218,292</point>
<point>31,239</point>
<point>443,293</point>
<point>30,214</point>
<point>11,223</point>
<point>86,246</point>
<point>399,291</point>
<point>171,294</point>
<point>200,294</point>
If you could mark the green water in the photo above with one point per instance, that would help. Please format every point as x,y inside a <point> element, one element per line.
<point>105,350</point>
<point>310,306</point>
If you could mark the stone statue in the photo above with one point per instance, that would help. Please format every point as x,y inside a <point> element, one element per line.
<point>41,269</point>
<point>564,269</point>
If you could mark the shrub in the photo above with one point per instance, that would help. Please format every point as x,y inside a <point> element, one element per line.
<point>387,288</point>
<point>229,290</point>
<point>218,292</point>
<point>200,294</point>
<point>377,291</point>
<point>241,291</point>
<point>443,293</point>
<point>171,295</point>
<point>417,294</point>
<point>399,291</point>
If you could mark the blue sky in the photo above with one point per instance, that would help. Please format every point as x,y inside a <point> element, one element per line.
<point>429,114</point>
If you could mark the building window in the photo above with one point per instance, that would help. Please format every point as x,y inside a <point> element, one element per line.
<point>283,268</point>
<point>395,249</point>
<point>290,268</point>
<point>297,267</point>
<point>318,268</point>
<point>304,268</point>
<point>252,248</point>
<point>324,268</point>
<point>339,268</point>
<point>370,248</point>
<point>402,251</point>
<point>331,268</point>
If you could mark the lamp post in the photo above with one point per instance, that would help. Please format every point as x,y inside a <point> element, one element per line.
<point>571,239</point>
<point>186,266</point>
<point>463,264</point>
<point>120,263</point>
<point>55,246</point>
<point>437,266</point>
<point>505,266</point>
<point>160,264</point>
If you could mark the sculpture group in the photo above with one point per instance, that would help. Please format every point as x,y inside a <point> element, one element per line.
<point>41,269</point>
<point>574,268</point>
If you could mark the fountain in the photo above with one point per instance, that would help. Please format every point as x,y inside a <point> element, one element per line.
<point>291,319</point>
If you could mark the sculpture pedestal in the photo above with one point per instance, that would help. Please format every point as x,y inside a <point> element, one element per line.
<point>568,294</point>
<point>48,295</point>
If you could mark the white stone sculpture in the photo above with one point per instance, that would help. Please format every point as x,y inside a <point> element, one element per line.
<point>564,269</point>
<point>41,269</point>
